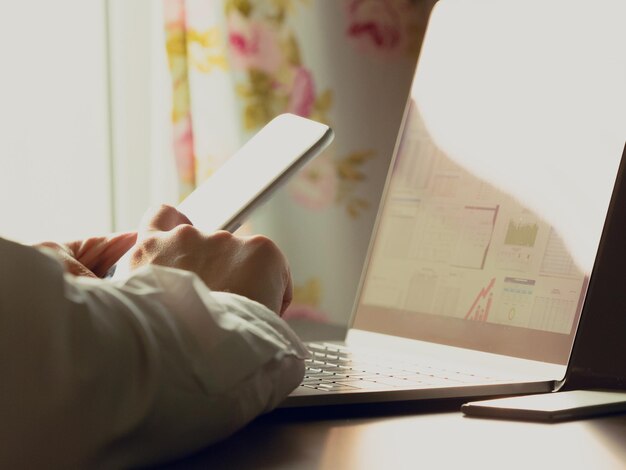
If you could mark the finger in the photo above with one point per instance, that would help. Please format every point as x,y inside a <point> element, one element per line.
<point>76,268</point>
<point>65,254</point>
<point>163,219</point>
<point>100,253</point>
<point>114,247</point>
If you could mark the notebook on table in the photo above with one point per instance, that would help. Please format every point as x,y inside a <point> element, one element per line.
<point>482,252</point>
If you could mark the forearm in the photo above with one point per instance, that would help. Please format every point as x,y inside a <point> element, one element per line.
<point>233,360</point>
<point>131,374</point>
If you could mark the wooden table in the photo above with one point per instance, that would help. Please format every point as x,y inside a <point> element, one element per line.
<point>414,436</point>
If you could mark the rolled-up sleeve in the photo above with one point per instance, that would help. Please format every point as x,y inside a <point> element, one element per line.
<point>127,373</point>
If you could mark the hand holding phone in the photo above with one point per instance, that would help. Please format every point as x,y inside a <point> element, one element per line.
<point>248,178</point>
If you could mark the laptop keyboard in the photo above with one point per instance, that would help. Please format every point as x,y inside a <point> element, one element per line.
<point>337,368</point>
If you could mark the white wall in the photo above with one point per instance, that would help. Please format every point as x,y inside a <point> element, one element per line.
<point>54,167</point>
<point>73,163</point>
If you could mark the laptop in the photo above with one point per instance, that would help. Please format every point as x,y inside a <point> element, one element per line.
<point>482,252</point>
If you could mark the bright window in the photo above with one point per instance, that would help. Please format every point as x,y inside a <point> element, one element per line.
<point>54,167</point>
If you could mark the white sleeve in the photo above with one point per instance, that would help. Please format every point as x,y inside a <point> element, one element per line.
<point>104,374</point>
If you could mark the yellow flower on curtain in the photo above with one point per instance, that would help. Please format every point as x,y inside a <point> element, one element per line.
<point>206,49</point>
<point>176,44</point>
<point>351,174</point>
<point>306,301</point>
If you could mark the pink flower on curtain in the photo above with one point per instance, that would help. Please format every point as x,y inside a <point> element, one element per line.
<point>315,187</point>
<point>378,25</point>
<point>302,96</point>
<point>254,44</point>
<point>183,143</point>
<point>174,11</point>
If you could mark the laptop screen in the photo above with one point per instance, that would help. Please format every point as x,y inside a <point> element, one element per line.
<point>501,181</point>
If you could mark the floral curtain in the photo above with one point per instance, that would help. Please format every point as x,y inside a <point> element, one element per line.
<point>236,64</point>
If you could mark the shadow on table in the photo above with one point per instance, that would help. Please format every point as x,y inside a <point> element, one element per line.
<point>293,438</point>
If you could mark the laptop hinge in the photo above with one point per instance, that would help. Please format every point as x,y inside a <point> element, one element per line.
<point>598,358</point>
<point>581,379</point>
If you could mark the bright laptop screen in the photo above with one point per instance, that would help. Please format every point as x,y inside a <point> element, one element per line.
<point>501,182</point>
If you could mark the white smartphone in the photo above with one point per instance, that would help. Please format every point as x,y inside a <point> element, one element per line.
<point>250,176</point>
<point>556,406</point>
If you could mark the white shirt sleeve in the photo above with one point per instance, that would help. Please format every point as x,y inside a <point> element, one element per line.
<point>98,373</point>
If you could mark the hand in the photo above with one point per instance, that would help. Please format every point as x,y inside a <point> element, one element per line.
<point>92,257</point>
<point>250,266</point>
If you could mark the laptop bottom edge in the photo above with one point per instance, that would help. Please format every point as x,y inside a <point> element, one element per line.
<point>314,398</point>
